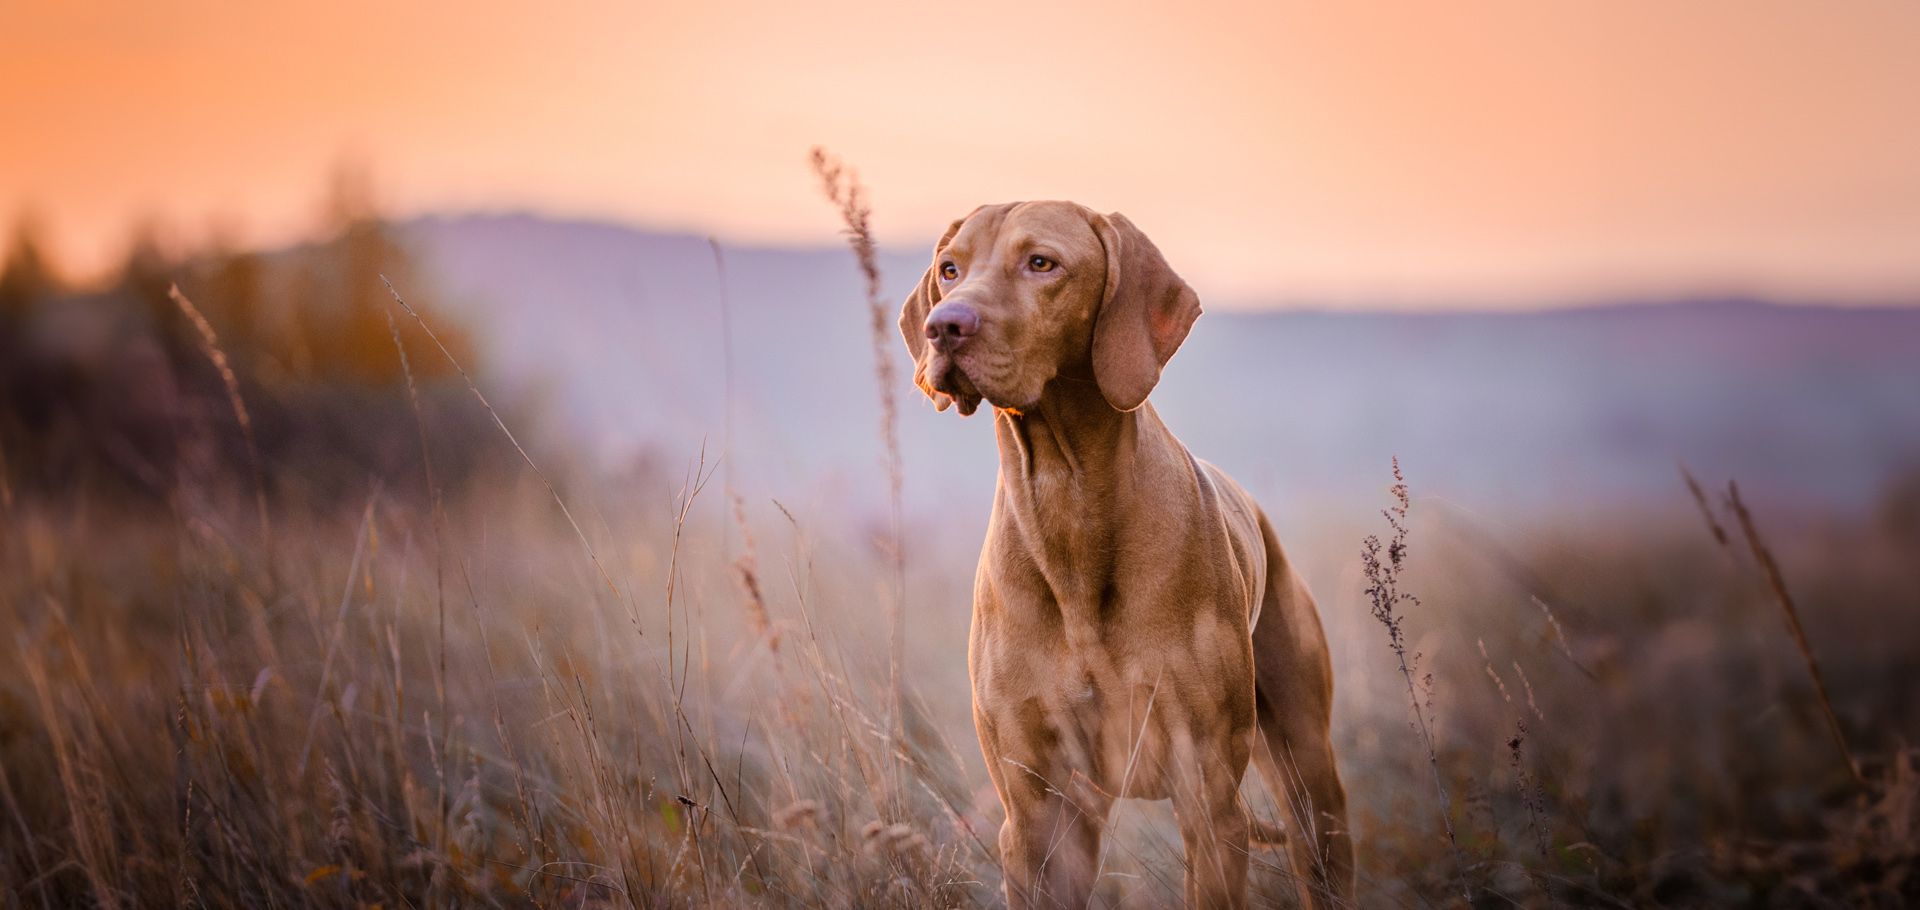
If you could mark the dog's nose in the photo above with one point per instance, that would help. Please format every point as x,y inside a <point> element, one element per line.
<point>951,323</point>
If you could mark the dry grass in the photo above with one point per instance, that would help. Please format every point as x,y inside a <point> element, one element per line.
<point>498,422</point>
<point>236,743</point>
<point>843,189</point>
<point>1776,583</point>
<point>193,716</point>
<point>1389,605</point>
<point>193,712</point>
<point>210,344</point>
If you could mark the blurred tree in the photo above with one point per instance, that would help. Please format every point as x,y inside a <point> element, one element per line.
<point>235,283</point>
<point>113,390</point>
<point>25,278</point>
<point>144,279</point>
<point>340,328</point>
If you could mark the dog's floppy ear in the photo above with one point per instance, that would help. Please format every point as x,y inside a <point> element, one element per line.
<point>1144,314</point>
<point>913,318</point>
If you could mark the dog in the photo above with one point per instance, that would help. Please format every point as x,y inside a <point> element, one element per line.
<point>1135,622</point>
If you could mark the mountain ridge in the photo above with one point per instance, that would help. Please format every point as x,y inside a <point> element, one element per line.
<point>1497,408</point>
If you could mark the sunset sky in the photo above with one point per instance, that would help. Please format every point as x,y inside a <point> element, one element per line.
<point>1405,153</point>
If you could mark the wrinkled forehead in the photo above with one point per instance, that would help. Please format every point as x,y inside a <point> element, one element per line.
<point>1059,228</point>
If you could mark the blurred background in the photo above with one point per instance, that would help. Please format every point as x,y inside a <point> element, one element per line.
<point>1543,255</point>
<point>1516,248</point>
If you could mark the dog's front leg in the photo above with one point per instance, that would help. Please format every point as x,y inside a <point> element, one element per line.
<point>1050,847</point>
<point>1213,823</point>
<point>1050,842</point>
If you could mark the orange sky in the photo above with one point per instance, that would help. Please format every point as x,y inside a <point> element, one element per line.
<point>1398,153</point>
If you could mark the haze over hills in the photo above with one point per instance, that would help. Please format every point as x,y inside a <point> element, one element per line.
<point>1586,408</point>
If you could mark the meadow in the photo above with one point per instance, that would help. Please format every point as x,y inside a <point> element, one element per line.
<point>347,648</point>
<point>369,706</point>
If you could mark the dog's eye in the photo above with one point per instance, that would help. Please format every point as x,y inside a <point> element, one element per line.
<point>1040,263</point>
<point>949,271</point>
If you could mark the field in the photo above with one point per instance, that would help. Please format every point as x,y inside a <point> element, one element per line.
<point>297,620</point>
<point>364,705</point>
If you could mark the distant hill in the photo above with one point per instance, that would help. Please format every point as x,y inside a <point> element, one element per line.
<point>1504,413</point>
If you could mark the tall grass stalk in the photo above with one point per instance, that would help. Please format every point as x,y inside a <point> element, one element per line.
<point>726,379</point>
<point>210,344</point>
<point>1778,583</point>
<point>475,389</point>
<point>842,188</point>
<point>437,506</point>
<point>1388,601</point>
<point>1524,785</point>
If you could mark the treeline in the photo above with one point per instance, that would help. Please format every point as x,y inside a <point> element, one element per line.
<point>111,392</point>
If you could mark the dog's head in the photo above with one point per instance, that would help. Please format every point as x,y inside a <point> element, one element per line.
<point>1022,292</point>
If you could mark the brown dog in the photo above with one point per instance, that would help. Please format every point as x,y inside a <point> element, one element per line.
<point>1134,619</point>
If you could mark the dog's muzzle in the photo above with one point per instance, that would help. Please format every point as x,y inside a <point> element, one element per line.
<point>951,324</point>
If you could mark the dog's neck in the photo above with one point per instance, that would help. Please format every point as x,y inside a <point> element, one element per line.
<point>1070,470</point>
<point>1069,465</point>
<point>1071,441</point>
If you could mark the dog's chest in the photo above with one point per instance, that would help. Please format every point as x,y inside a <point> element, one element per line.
<point>1109,720</point>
